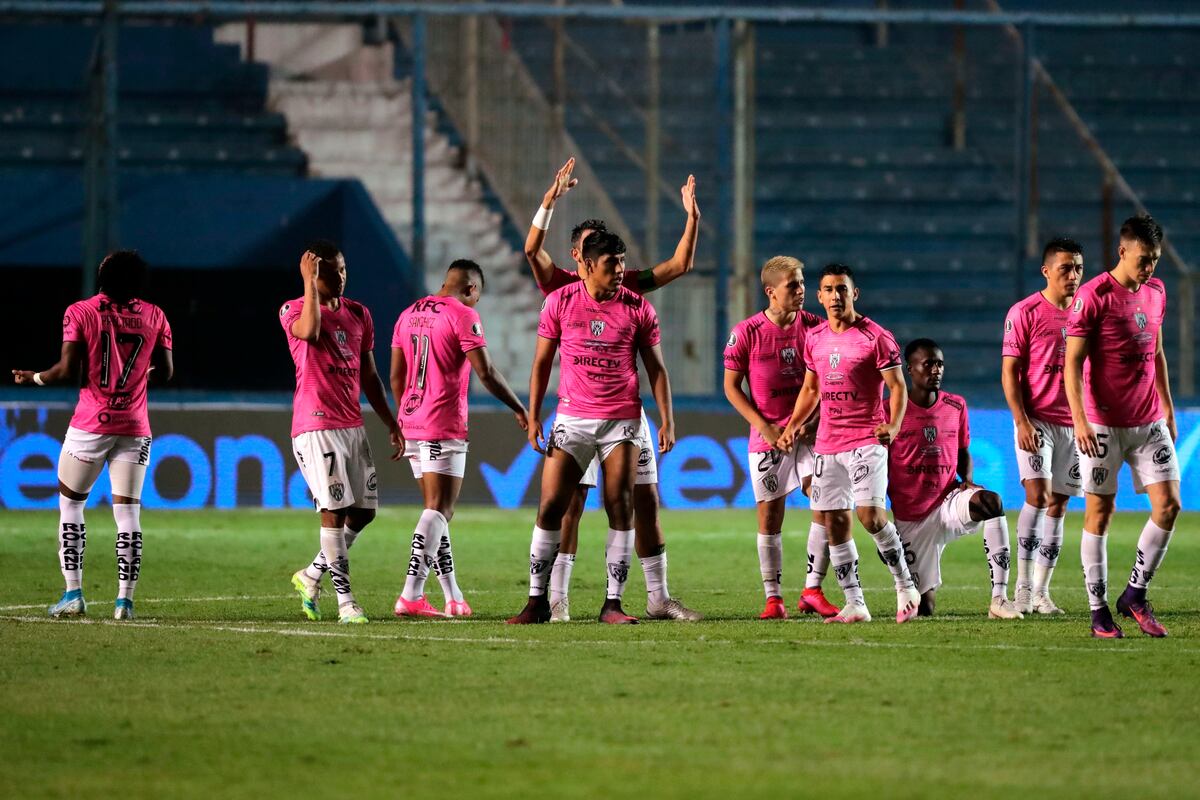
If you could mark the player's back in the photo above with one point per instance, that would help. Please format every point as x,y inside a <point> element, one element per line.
<point>120,339</point>
<point>923,460</point>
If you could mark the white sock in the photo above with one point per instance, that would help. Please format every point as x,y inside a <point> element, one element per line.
<point>560,577</point>
<point>618,552</point>
<point>333,544</point>
<point>818,556</point>
<point>995,548</point>
<point>443,565</point>
<point>1093,552</point>
<point>1151,549</point>
<point>770,563</point>
<point>654,568</point>
<point>426,539</point>
<point>543,547</point>
<point>844,558</point>
<point>1048,552</point>
<point>129,547</point>
<point>72,540</point>
<point>319,566</point>
<point>891,550</point>
<point>1030,526</point>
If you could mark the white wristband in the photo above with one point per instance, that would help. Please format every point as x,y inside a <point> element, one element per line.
<point>37,378</point>
<point>541,220</point>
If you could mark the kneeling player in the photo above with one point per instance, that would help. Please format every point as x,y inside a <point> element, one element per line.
<point>767,351</point>
<point>931,506</point>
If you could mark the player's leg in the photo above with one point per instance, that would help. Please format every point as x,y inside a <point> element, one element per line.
<point>79,465</point>
<point>832,496</point>
<point>868,470</point>
<point>1047,556</point>
<point>770,555</point>
<point>923,542</point>
<point>1030,527</point>
<point>986,507</point>
<point>127,472</point>
<point>439,491</point>
<point>564,562</point>
<point>619,471</point>
<point>812,599</point>
<point>1100,488</point>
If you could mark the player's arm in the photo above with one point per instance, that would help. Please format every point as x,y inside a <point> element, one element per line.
<point>1012,379</point>
<point>162,365</point>
<point>741,402</point>
<point>307,326</point>
<point>539,379</point>
<point>660,385</point>
<point>886,432</point>
<point>67,367</point>
<point>1085,435</point>
<point>966,467</point>
<point>1163,384</point>
<point>539,260</point>
<point>493,380</point>
<point>372,386</point>
<point>681,262</point>
<point>806,403</point>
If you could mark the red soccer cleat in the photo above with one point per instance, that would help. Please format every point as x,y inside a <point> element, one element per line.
<point>1133,603</point>
<point>611,613</point>
<point>813,601</point>
<point>1103,625</point>
<point>775,609</point>
<point>535,612</point>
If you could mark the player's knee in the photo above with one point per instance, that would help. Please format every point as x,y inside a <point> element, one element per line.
<point>1037,496</point>
<point>1170,509</point>
<point>989,504</point>
<point>872,518</point>
<point>360,518</point>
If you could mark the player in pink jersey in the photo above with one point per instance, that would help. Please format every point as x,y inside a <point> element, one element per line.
<point>601,328</point>
<point>120,341</point>
<point>436,343</point>
<point>331,338</point>
<point>1122,411</point>
<point>850,359</point>
<point>767,351</point>
<point>934,500</point>
<point>1035,345</point>
<point>651,545</point>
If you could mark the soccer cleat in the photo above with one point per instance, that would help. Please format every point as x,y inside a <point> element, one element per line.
<point>850,613</point>
<point>458,608</point>
<point>1042,604</point>
<point>1104,626</point>
<point>123,608</point>
<point>560,610</point>
<point>1003,608</point>
<point>535,612</point>
<point>310,594</point>
<point>775,609</point>
<point>813,601</point>
<point>611,613</point>
<point>416,608</point>
<point>71,604</point>
<point>1133,603</point>
<point>908,603</point>
<point>351,614</point>
<point>1023,599</point>
<point>672,609</point>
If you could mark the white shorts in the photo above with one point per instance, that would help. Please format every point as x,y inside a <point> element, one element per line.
<point>925,539</point>
<point>851,478</point>
<point>443,456</point>
<point>593,439</point>
<point>1147,449</point>
<point>777,474</point>
<point>1057,459</point>
<point>84,455</point>
<point>647,463</point>
<point>338,468</point>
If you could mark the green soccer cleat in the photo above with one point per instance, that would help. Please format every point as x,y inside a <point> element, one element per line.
<point>310,593</point>
<point>351,614</point>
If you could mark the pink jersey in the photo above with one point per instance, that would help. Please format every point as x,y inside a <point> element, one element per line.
<point>635,280</point>
<point>1122,330</point>
<point>772,359</point>
<point>328,372</point>
<point>598,350</point>
<point>923,461</point>
<point>848,367</point>
<point>120,338</point>
<point>1035,332</point>
<point>436,333</point>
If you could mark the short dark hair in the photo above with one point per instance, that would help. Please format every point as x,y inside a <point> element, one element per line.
<point>1061,244</point>
<point>324,250</point>
<point>920,344</point>
<point>122,274</point>
<point>587,225</point>
<point>837,268</point>
<point>602,243</point>
<point>468,266</point>
<point>1144,229</point>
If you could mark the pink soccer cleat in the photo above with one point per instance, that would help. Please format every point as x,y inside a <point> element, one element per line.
<point>611,613</point>
<point>908,603</point>
<point>458,608</point>
<point>813,601</point>
<point>416,608</point>
<point>775,609</point>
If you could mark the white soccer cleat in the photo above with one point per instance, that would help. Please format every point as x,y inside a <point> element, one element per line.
<point>1003,608</point>
<point>850,613</point>
<point>908,603</point>
<point>71,604</point>
<point>123,608</point>
<point>1024,598</point>
<point>560,610</point>
<point>351,614</point>
<point>1042,604</point>
<point>672,609</point>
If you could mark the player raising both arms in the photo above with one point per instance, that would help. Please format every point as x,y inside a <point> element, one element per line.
<point>437,341</point>
<point>601,328</point>
<point>331,338</point>
<point>650,544</point>
<point>850,359</point>
<point>767,351</point>
<point>1122,411</point>
<point>122,340</point>
<point>1035,345</point>
<point>931,506</point>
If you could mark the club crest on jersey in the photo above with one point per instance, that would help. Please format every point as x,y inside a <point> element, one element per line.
<point>1036,463</point>
<point>834,360</point>
<point>340,336</point>
<point>337,491</point>
<point>1099,474</point>
<point>1064,332</point>
<point>930,432</point>
<point>1078,305</point>
<point>788,354</point>
<point>1008,326</point>
<point>771,483</point>
<point>282,312</point>
<point>476,329</point>
<point>732,339</point>
<point>1139,319</point>
<point>597,327</point>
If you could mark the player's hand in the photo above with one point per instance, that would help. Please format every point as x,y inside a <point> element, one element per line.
<point>563,183</point>
<point>1027,436</point>
<point>22,377</point>
<point>522,419</point>
<point>537,439</point>
<point>666,437</point>
<point>1086,439</point>
<point>885,434</point>
<point>807,433</point>
<point>771,433</point>
<point>688,195</point>
<point>396,440</point>
<point>787,439</point>
<point>310,262</point>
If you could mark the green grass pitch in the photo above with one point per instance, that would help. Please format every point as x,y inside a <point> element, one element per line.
<point>221,689</point>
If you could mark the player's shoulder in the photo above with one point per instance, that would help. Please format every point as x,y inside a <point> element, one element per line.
<point>751,325</point>
<point>809,320</point>
<point>356,309</point>
<point>819,330</point>
<point>291,305</point>
<point>955,401</point>
<point>1099,286</point>
<point>872,329</point>
<point>564,292</point>
<point>88,305</point>
<point>1156,285</point>
<point>628,297</point>
<point>1028,306</point>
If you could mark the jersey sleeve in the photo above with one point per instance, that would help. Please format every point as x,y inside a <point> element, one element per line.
<point>737,351</point>
<point>368,334</point>
<point>74,325</point>
<point>164,332</point>
<point>288,314</point>
<point>1085,313</point>
<point>810,363</point>
<point>397,336</point>
<point>549,324</point>
<point>887,352</point>
<point>648,331</point>
<point>559,278</point>
<point>470,331</point>
<point>964,428</point>
<point>1016,334</point>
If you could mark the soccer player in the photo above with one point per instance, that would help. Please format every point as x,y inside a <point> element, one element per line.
<point>436,343</point>
<point>651,546</point>
<point>931,506</point>
<point>767,351</point>
<point>1035,345</point>
<point>850,359</point>
<point>331,338</point>
<point>601,328</point>
<point>120,341</point>
<point>1121,407</point>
